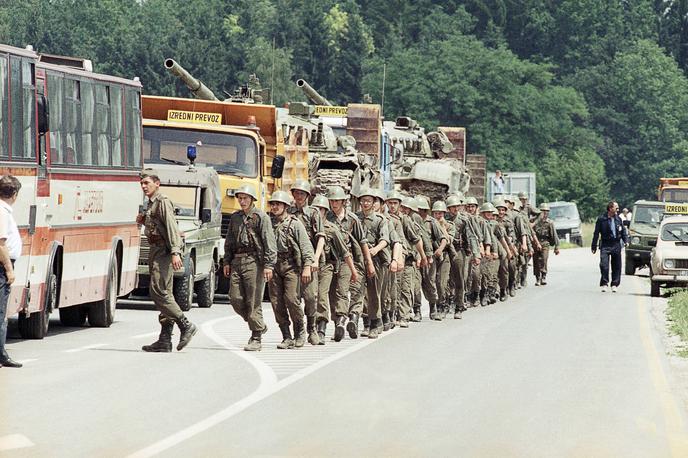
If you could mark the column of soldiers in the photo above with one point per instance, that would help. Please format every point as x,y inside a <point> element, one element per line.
<point>326,264</point>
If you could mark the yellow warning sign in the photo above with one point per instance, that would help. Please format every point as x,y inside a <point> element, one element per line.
<point>324,110</point>
<point>194,116</point>
<point>676,209</point>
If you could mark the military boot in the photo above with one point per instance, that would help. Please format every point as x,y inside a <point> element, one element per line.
<point>543,280</point>
<point>299,335</point>
<point>366,327</point>
<point>164,342</point>
<point>537,280</point>
<point>417,317</point>
<point>475,302</point>
<point>494,296</point>
<point>322,331</point>
<point>433,311</point>
<point>340,328</point>
<point>287,341</point>
<point>386,323</point>
<point>313,338</point>
<point>457,313</point>
<point>352,326</point>
<point>374,327</point>
<point>502,294</point>
<point>484,301</point>
<point>187,330</point>
<point>254,343</point>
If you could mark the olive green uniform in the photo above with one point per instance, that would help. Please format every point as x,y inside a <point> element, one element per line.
<point>427,247</point>
<point>547,234</point>
<point>444,263</point>
<point>294,253</point>
<point>376,231</point>
<point>479,227</point>
<point>409,237</point>
<point>163,237</point>
<point>429,275</point>
<point>249,249</point>
<point>389,279</point>
<point>335,275</point>
<point>466,248</point>
<point>313,223</point>
<point>352,229</point>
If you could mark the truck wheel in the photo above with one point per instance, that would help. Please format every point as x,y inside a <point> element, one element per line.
<point>579,241</point>
<point>205,289</point>
<point>101,313</point>
<point>630,266</point>
<point>654,288</point>
<point>35,326</point>
<point>183,287</point>
<point>73,316</point>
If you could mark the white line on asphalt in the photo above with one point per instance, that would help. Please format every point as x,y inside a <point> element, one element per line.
<point>85,347</point>
<point>144,336</point>
<point>14,441</point>
<point>26,361</point>
<point>269,385</point>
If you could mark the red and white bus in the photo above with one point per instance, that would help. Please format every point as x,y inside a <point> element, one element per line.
<point>73,139</point>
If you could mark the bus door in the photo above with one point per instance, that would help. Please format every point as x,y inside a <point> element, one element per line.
<point>43,179</point>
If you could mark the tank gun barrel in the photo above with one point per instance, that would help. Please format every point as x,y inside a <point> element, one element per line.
<point>197,88</point>
<point>312,94</point>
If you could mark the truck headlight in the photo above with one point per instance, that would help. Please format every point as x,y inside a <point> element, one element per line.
<point>669,263</point>
<point>635,240</point>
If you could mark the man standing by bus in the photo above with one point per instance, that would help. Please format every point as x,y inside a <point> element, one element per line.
<point>10,250</point>
<point>165,256</point>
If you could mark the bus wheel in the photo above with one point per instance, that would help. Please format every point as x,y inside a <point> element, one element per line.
<point>183,287</point>
<point>35,326</point>
<point>73,316</point>
<point>205,290</point>
<point>102,313</point>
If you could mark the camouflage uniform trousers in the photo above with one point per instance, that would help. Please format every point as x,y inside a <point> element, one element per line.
<point>161,278</point>
<point>458,271</point>
<point>333,295</point>
<point>442,281</point>
<point>474,276</point>
<point>246,285</point>
<point>417,280</point>
<point>358,291</point>
<point>486,268</point>
<point>429,281</point>
<point>513,270</point>
<point>540,258</point>
<point>494,274</point>
<point>390,295</point>
<point>284,293</point>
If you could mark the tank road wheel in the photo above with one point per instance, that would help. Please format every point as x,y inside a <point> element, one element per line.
<point>205,289</point>
<point>630,266</point>
<point>183,287</point>
<point>102,313</point>
<point>73,316</point>
<point>654,288</point>
<point>35,326</point>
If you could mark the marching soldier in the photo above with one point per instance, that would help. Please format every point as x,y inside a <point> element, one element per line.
<point>312,221</point>
<point>335,275</point>
<point>293,268</point>
<point>351,226</point>
<point>466,252</point>
<point>506,277</point>
<point>525,207</point>
<point>409,206</point>
<point>250,256</point>
<point>439,209</point>
<point>438,242</point>
<point>547,235</point>
<point>479,227</point>
<point>488,273</point>
<point>162,233</point>
<point>389,283</point>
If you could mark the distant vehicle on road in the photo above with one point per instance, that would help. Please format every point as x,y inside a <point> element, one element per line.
<point>196,195</point>
<point>566,221</point>
<point>673,190</point>
<point>669,259</point>
<point>642,236</point>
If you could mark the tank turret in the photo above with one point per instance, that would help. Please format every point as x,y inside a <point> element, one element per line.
<point>197,88</point>
<point>312,94</point>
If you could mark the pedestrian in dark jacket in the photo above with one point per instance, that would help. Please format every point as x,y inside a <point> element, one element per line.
<point>611,236</point>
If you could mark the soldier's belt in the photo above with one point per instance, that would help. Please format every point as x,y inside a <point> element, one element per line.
<point>155,240</point>
<point>286,256</point>
<point>244,254</point>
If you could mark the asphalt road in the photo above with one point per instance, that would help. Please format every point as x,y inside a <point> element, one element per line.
<point>561,370</point>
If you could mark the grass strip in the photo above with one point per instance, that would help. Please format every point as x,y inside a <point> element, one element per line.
<point>677,313</point>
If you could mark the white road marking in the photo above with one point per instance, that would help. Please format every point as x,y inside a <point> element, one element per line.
<point>26,361</point>
<point>85,347</point>
<point>144,336</point>
<point>269,385</point>
<point>14,441</point>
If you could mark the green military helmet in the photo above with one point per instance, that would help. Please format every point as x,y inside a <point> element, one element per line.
<point>439,206</point>
<point>337,193</point>
<point>301,185</point>
<point>422,203</point>
<point>544,207</point>
<point>499,203</point>
<point>395,195</point>
<point>410,202</point>
<point>487,207</point>
<point>471,201</point>
<point>495,212</point>
<point>508,198</point>
<point>321,202</point>
<point>246,189</point>
<point>522,195</point>
<point>280,196</point>
<point>367,192</point>
<point>380,195</point>
<point>454,200</point>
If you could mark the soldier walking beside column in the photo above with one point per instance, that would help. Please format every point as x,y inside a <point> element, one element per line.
<point>165,256</point>
<point>547,235</point>
<point>249,261</point>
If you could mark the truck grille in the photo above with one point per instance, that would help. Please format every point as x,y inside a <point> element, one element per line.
<point>144,251</point>
<point>681,263</point>
<point>225,224</point>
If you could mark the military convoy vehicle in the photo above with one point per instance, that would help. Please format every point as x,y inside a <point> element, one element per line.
<point>195,192</point>
<point>643,232</point>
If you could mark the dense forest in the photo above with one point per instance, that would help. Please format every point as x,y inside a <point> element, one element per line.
<point>590,94</point>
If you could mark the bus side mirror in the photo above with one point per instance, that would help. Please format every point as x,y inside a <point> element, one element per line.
<point>277,166</point>
<point>43,115</point>
<point>206,215</point>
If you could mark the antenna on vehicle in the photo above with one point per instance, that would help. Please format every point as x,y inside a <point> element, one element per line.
<point>272,74</point>
<point>384,78</point>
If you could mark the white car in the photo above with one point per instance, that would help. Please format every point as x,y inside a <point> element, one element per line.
<point>669,259</point>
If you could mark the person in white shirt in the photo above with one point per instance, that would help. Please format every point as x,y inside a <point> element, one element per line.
<point>10,250</point>
<point>498,183</point>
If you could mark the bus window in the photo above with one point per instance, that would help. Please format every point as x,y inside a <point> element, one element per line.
<point>55,99</point>
<point>116,123</point>
<point>16,107</point>
<point>29,109</point>
<point>133,120</point>
<point>88,114</point>
<point>102,124</point>
<point>72,121</point>
<point>4,121</point>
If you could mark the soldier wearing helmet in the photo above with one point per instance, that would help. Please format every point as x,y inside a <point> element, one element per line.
<point>506,279</point>
<point>389,275</point>
<point>336,273</point>
<point>313,222</point>
<point>525,206</point>
<point>438,241</point>
<point>547,235</point>
<point>465,249</point>
<point>439,210</point>
<point>293,268</point>
<point>250,256</point>
<point>479,227</point>
<point>409,206</point>
<point>488,273</point>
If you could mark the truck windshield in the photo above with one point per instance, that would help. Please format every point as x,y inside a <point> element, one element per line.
<point>675,195</point>
<point>184,199</point>
<point>676,232</point>
<point>648,215</point>
<point>563,212</point>
<point>225,152</point>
